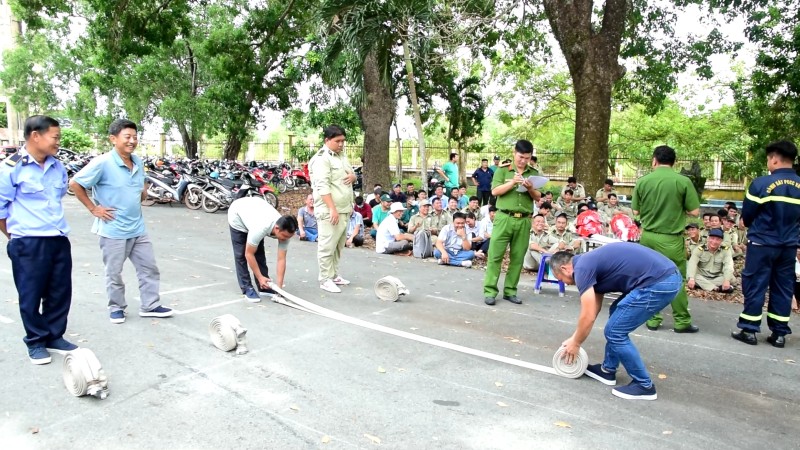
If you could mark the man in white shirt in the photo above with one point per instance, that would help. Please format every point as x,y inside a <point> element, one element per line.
<point>389,239</point>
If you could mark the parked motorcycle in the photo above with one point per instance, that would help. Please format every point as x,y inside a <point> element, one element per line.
<point>300,177</point>
<point>165,188</point>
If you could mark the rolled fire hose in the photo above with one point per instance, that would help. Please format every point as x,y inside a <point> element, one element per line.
<point>83,374</point>
<point>227,333</point>
<point>390,289</point>
<point>288,299</point>
<point>574,370</point>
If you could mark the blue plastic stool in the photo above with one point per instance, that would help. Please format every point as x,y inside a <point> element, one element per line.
<point>541,276</point>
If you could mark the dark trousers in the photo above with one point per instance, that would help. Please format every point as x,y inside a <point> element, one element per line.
<point>773,268</point>
<point>42,269</point>
<point>484,196</point>
<point>482,246</point>
<point>239,242</point>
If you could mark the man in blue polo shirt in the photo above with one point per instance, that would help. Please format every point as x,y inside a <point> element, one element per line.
<point>648,281</point>
<point>482,177</point>
<point>32,183</point>
<point>117,181</point>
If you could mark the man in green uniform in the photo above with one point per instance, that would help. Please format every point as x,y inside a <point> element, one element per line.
<point>512,224</point>
<point>660,199</point>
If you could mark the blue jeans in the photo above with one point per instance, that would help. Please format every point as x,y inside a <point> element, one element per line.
<point>458,258</point>
<point>628,314</point>
<point>311,234</point>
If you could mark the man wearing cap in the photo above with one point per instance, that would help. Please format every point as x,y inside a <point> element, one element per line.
<point>482,177</point>
<point>693,239</point>
<point>512,225</point>
<point>389,237</point>
<point>711,266</point>
<point>578,192</point>
<point>662,199</point>
<point>397,195</point>
<point>380,212</point>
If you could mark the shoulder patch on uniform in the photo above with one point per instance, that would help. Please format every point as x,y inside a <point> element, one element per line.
<point>13,159</point>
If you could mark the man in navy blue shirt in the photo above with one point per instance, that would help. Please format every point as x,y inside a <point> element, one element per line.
<point>482,177</point>
<point>648,282</point>
<point>771,211</point>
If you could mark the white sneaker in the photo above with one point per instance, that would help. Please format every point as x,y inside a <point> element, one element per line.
<point>466,264</point>
<point>340,281</point>
<point>440,262</point>
<point>330,286</point>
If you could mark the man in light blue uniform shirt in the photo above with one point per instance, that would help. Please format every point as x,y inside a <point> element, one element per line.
<point>32,183</point>
<point>117,182</point>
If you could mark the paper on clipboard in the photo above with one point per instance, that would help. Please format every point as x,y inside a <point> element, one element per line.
<point>536,181</point>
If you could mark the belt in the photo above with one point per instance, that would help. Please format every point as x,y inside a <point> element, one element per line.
<point>515,214</point>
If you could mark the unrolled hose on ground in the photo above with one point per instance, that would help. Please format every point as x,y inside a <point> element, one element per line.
<point>293,301</point>
<point>83,374</point>
<point>574,370</point>
<point>390,289</point>
<point>227,333</point>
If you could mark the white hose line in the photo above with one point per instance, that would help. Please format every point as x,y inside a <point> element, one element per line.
<point>390,289</point>
<point>574,370</point>
<point>227,333</point>
<point>298,303</point>
<point>83,374</point>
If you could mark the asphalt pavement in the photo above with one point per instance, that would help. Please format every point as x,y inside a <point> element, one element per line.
<point>313,382</point>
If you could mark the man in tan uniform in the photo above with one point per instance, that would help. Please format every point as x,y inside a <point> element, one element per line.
<point>541,242</point>
<point>332,180</point>
<point>711,266</point>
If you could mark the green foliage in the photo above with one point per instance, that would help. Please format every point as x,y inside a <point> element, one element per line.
<point>76,140</point>
<point>311,123</point>
<point>3,115</point>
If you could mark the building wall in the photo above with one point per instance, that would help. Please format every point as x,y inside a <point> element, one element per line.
<point>9,30</point>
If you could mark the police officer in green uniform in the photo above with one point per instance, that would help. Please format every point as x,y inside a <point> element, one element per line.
<point>660,199</point>
<point>512,224</point>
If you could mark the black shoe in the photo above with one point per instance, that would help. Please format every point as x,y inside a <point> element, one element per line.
<point>653,328</point>
<point>512,299</point>
<point>748,337</point>
<point>777,340</point>
<point>488,300</point>
<point>689,329</point>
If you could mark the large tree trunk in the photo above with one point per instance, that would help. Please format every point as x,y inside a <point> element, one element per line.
<point>233,145</point>
<point>592,54</point>
<point>376,115</point>
<point>189,142</point>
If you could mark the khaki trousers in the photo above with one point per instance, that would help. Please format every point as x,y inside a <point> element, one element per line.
<point>330,243</point>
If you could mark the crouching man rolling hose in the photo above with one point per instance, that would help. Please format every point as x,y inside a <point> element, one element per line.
<point>648,282</point>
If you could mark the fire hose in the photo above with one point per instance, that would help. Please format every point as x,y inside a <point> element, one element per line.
<point>390,289</point>
<point>83,374</point>
<point>574,370</point>
<point>227,333</point>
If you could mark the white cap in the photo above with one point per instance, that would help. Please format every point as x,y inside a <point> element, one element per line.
<point>396,206</point>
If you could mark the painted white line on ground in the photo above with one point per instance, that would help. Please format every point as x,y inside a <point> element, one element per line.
<point>200,262</point>
<point>203,308</point>
<point>175,291</point>
<point>4,319</point>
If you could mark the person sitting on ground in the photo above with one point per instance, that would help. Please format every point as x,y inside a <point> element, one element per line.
<point>375,197</point>
<point>711,266</point>
<point>422,195</point>
<point>567,205</point>
<point>733,211</point>
<point>714,223</point>
<point>541,242</point>
<point>612,207</point>
<point>421,220</point>
<point>474,235</point>
<point>487,224</point>
<point>741,233</point>
<point>389,238</point>
<point>565,240</point>
<point>473,207</point>
<point>306,221</point>
<point>364,209</point>
<point>355,231</point>
<point>546,210</point>
<point>463,198</point>
<point>731,238</point>
<point>411,190</point>
<point>548,197</point>
<point>706,225</point>
<point>452,206</point>
<point>693,239</point>
<point>411,209</point>
<point>438,192</point>
<point>578,192</point>
<point>452,245</point>
<point>602,194</point>
<point>380,213</point>
<point>420,227</point>
<point>439,217</point>
<point>397,195</point>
